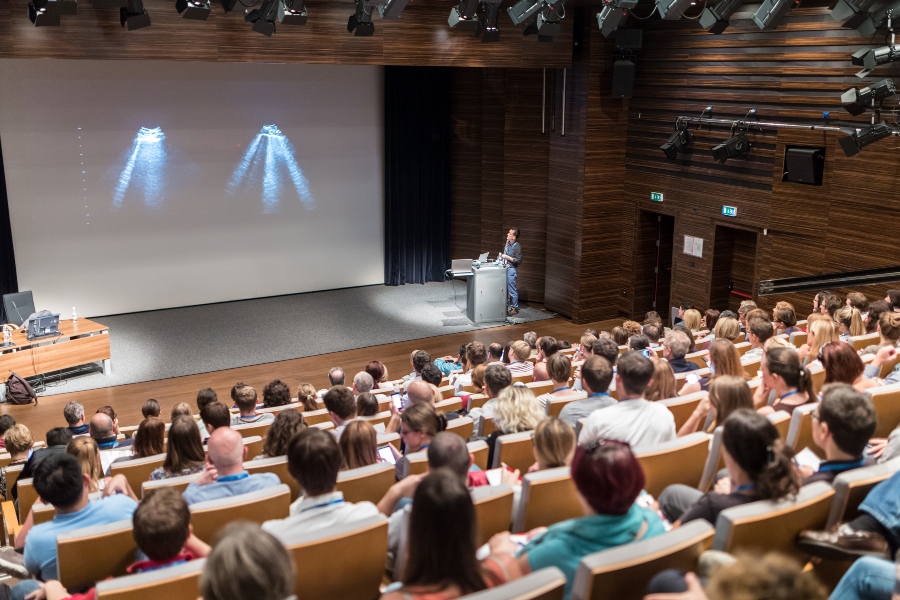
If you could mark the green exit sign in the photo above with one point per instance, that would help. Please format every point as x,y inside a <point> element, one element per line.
<point>656,196</point>
<point>729,211</point>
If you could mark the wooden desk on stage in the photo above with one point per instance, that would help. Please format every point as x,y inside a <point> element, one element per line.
<point>79,343</point>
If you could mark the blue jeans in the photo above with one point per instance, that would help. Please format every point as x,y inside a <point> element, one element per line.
<point>23,588</point>
<point>869,578</point>
<point>883,503</point>
<point>511,287</point>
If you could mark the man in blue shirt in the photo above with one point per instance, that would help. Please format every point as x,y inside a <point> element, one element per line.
<point>512,257</point>
<point>224,475</point>
<point>596,374</point>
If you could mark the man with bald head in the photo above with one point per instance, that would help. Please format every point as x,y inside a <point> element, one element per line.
<point>104,433</point>
<point>420,391</point>
<point>224,475</point>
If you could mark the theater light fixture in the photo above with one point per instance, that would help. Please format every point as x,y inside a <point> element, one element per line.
<point>292,12</point>
<point>770,13</point>
<point>133,16</point>
<point>738,145</point>
<point>876,20</point>
<point>543,17</point>
<point>671,10</point>
<point>264,17</point>
<point>857,100</point>
<point>360,23</point>
<point>487,28</point>
<point>193,9</point>
<point>44,13</point>
<point>851,13</point>
<point>869,58</point>
<point>613,14</point>
<point>228,5</point>
<point>392,9</point>
<point>463,15</point>
<point>855,142</point>
<point>678,141</point>
<point>714,19</point>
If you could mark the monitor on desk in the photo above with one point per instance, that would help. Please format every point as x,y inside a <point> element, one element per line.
<point>18,307</point>
<point>43,324</point>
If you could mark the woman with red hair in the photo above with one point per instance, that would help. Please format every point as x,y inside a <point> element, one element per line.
<point>843,365</point>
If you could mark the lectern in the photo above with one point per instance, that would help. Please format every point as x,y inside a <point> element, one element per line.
<point>487,294</point>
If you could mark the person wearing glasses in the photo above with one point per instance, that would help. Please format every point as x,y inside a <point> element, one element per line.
<point>783,373</point>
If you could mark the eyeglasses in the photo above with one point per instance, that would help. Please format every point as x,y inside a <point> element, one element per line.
<point>405,431</point>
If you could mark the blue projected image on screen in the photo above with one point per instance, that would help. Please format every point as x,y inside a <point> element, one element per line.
<point>145,165</point>
<point>269,161</point>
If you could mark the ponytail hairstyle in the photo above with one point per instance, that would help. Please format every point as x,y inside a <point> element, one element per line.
<point>753,443</point>
<point>889,322</point>
<point>421,417</point>
<point>785,362</point>
<point>851,318</point>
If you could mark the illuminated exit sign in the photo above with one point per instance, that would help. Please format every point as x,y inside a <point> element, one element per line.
<point>656,196</point>
<point>729,211</point>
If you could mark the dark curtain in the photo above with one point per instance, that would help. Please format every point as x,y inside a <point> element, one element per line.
<point>8,281</point>
<point>417,174</point>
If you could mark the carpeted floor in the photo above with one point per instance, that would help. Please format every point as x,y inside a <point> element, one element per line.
<point>186,341</point>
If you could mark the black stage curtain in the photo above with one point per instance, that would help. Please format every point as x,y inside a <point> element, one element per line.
<point>8,281</point>
<point>417,131</point>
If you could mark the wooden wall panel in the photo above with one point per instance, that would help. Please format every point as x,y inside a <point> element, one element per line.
<point>465,187</point>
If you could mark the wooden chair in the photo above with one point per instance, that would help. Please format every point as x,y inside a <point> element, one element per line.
<point>851,488</point>
<point>449,405</point>
<point>680,378</point>
<point>208,518</point>
<point>622,573</point>
<point>751,368</point>
<point>137,470</point>
<point>493,510</point>
<point>859,342</point>
<point>817,373</point>
<point>522,378</point>
<point>682,407</point>
<point>781,419</point>
<point>698,358</point>
<point>477,401</point>
<point>316,416</point>
<point>254,446</point>
<point>417,462</point>
<point>887,409</point>
<point>11,525</point>
<point>547,497</point>
<point>366,483</point>
<point>486,426</point>
<point>381,418</point>
<point>464,427</point>
<point>540,387</point>
<point>85,556</point>
<point>384,404</point>
<point>545,584</point>
<point>800,431</point>
<point>12,475</point>
<point>253,429</point>
<point>714,460</point>
<point>742,347</point>
<point>681,460</point>
<point>27,497</point>
<point>774,526</point>
<point>383,439</point>
<point>362,544</point>
<point>887,367</point>
<point>515,450</point>
<point>128,431</point>
<point>179,484</point>
<point>479,451</point>
<point>180,582</point>
<point>557,403</point>
<point>740,338</point>
<point>278,466</point>
<point>447,391</point>
<point>798,338</point>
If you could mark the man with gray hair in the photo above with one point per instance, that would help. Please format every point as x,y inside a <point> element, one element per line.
<point>74,414</point>
<point>530,338</point>
<point>677,345</point>
<point>335,377</point>
<point>362,383</point>
<point>104,433</point>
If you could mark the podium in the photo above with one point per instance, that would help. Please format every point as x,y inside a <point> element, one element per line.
<point>486,299</point>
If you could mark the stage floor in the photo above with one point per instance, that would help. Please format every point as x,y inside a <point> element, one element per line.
<point>175,342</point>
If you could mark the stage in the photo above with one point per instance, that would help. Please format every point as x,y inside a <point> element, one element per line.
<point>155,345</point>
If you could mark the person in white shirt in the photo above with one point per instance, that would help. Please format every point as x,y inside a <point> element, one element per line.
<point>314,460</point>
<point>341,407</point>
<point>759,329</point>
<point>519,365</point>
<point>632,419</point>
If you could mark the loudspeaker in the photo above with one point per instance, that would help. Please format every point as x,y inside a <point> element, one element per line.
<point>622,79</point>
<point>804,165</point>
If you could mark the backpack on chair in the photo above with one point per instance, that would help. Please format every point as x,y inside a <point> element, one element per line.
<point>19,391</point>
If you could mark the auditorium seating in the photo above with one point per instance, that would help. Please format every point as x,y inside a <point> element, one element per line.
<point>493,510</point>
<point>449,405</point>
<point>859,342</point>
<point>514,450</point>
<point>137,470</point>
<point>177,483</point>
<point>418,461</point>
<point>714,461</point>
<point>851,488</point>
<point>27,497</point>
<point>369,483</point>
<point>547,497</point>
<point>249,430</point>
<point>464,427</point>
<point>887,408</point>
<point>781,419</point>
<point>557,403</point>
<point>278,466</point>
<point>208,518</point>
<point>381,418</point>
<point>545,584</point>
<point>800,431</point>
<point>179,582</point>
<point>316,416</point>
<point>88,555</point>
<point>682,407</point>
<point>681,460</point>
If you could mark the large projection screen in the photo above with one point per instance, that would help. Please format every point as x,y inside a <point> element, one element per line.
<point>144,185</point>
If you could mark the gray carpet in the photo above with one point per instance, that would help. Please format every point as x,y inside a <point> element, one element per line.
<point>186,341</point>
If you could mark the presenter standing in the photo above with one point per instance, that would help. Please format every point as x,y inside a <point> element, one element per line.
<point>512,258</point>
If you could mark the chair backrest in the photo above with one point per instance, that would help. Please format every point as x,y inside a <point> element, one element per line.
<point>447,391</point>
<point>177,483</point>
<point>493,510</point>
<point>18,306</point>
<point>85,556</point>
<point>515,450</point>
<point>522,378</point>
<point>547,497</point>
<point>798,338</point>
<point>681,378</point>
<point>254,446</point>
<point>477,401</point>
<point>323,426</point>
<point>486,426</point>
<point>366,483</point>
<point>751,367</point>
<point>800,431</point>
<point>12,475</point>
<point>774,526</point>
<point>362,544</point>
<point>449,404</point>
<point>129,430</point>
<point>679,461</point>
<point>293,405</point>
<point>622,573</point>
<point>277,465</point>
<point>464,427</point>
<point>539,387</point>
<point>381,418</point>
<point>253,429</point>
<point>479,451</point>
<point>713,460</point>
<point>817,374</point>
<point>859,342</point>
<point>209,517</point>
<point>137,470</point>
<point>681,407</point>
<point>545,584</point>
<point>698,358</point>
<point>316,416</point>
<point>781,419</point>
<point>742,347</point>
<point>887,409</point>
<point>383,439</point>
<point>888,366</point>
<point>851,488</point>
<point>27,497</point>
<point>417,462</point>
<point>180,582</point>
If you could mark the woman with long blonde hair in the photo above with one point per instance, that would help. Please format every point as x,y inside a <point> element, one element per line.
<point>515,409</point>
<point>553,444</point>
<point>85,449</point>
<point>819,333</point>
<point>724,359</point>
<point>692,318</point>
<point>662,385</point>
<point>849,322</point>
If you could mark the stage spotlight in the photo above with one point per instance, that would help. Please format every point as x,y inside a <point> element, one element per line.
<point>193,9</point>
<point>463,15</point>
<point>736,146</point>
<point>264,17</point>
<point>876,20</point>
<point>134,16</point>
<point>851,12</point>
<point>678,141</point>
<point>292,12</point>
<point>612,15</point>
<point>545,17</point>
<point>852,144</point>
<point>671,10</point>
<point>770,13</point>
<point>44,13</point>
<point>857,101</point>
<point>487,28</point>
<point>392,9</point>
<point>715,19</point>
<point>869,58</point>
<point>360,23</point>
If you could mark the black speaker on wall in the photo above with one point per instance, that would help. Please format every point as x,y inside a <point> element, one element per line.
<point>804,165</point>
<point>622,79</point>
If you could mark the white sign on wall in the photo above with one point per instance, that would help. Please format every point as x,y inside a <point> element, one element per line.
<point>693,246</point>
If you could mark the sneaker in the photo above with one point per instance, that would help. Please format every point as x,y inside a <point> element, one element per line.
<point>12,562</point>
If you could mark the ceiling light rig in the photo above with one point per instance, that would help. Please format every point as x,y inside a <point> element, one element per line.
<point>542,17</point>
<point>47,13</point>
<point>197,10</point>
<point>465,16</point>
<point>856,101</point>
<point>613,13</point>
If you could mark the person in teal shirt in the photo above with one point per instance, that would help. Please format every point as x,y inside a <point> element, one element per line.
<point>608,479</point>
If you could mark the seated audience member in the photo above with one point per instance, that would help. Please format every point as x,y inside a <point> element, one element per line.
<point>677,344</point>
<point>276,393</point>
<point>682,308</point>
<point>182,409</point>
<point>632,419</point>
<point>496,378</point>
<point>785,320</point>
<point>608,479</point>
<point>819,332</point>
<point>868,578</point>
<point>103,432</point>
<point>286,425</point>
<point>495,352</point>
<point>620,336</point>
<point>519,364</point>
<point>224,475</point>
<point>886,355</point>
<point>745,307</point>
<point>213,416</point>
<point>727,328</point>
<point>584,347</point>
<point>516,410</point>
<point>554,445</point>
<point>652,317</point>
<point>893,299</point>
<point>638,342</point>
<point>111,413</point>
<point>540,372</point>
<point>723,359</point>
<point>631,328</point>
<point>547,347</point>
<point>6,421</point>
<point>841,427</point>
<point>417,360</point>
<point>507,352</point>
<point>362,383</point>
<point>652,333</point>
<point>559,369</point>
<point>366,405</point>
<point>829,305</point>
<point>448,364</point>
<point>692,319</point>
<point>419,423</point>
<point>759,468</point>
<point>476,354</point>
<point>478,379</point>
<point>246,399</point>
<point>849,323</point>
<point>58,440</point>
<point>727,394</point>
<point>184,451</point>
<point>604,348</point>
<point>379,374</point>
<point>148,440</point>
<point>85,450</point>
<point>18,441</point>
<point>710,318</point>
<point>431,374</point>
<point>341,407</point>
<point>359,445</point>
<point>759,330</point>
<point>314,460</point>
<point>204,397</point>
<point>74,414</point>
<point>306,395</point>
<point>335,378</point>
<point>150,408</point>
<point>662,385</point>
<point>531,339</point>
<point>247,563</point>
<point>692,346</point>
<point>888,328</point>
<point>843,365</point>
<point>782,372</point>
<point>873,315</point>
<point>596,374</point>
<point>453,571</point>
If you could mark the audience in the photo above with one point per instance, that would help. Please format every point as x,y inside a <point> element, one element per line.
<point>596,374</point>
<point>18,441</point>
<point>366,405</point>
<point>148,440</point>
<point>843,365</point>
<point>676,345</point>
<point>247,563</point>
<point>150,408</point>
<point>858,301</point>
<point>496,378</point>
<point>111,413</point>
<point>723,359</point>
<point>359,445</point>
<point>362,383</point>
<point>888,328</point>
<point>58,439</point>
<point>184,451</point>
<point>215,415</point>
<point>85,450</point>
<point>246,399</point>
<point>873,315</point>
<point>276,393</point>
<point>727,328</point>
<point>662,385</point>
<point>379,374</point>
<point>74,414</point>
<point>519,364</point>
<point>554,445</point>
<point>726,395</point>
<point>341,407</point>
<point>182,409</point>
<point>285,426</point>
<point>820,332</point>
<point>103,432</point>
<point>849,322</point>
<point>306,396</point>
<point>620,336</point>
<point>204,397</point>
<point>559,369</point>
<point>6,421</point>
<point>783,374</point>
<point>418,425</point>
<point>516,410</point>
<point>692,319</point>
<point>759,330</point>
<point>476,354</point>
